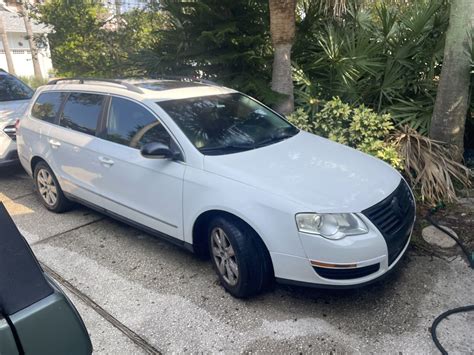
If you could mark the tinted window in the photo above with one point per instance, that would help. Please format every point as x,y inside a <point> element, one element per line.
<point>13,89</point>
<point>47,106</point>
<point>130,124</point>
<point>229,123</point>
<point>81,112</point>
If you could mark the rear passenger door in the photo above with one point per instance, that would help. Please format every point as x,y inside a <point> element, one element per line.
<point>73,144</point>
<point>143,190</point>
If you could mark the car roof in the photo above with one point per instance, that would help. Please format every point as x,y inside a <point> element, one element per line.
<point>154,89</point>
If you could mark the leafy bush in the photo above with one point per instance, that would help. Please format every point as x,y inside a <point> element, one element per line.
<point>358,127</point>
<point>300,119</point>
<point>86,40</point>
<point>32,81</point>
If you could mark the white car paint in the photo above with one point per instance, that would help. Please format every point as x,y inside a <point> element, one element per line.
<point>265,187</point>
<point>10,111</point>
<point>317,173</point>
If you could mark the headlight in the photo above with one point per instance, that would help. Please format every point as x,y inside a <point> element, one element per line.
<point>330,225</point>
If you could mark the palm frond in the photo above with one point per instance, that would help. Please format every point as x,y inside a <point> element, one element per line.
<point>430,166</point>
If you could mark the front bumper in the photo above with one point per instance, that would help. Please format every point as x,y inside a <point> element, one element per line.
<point>354,260</point>
<point>8,152</point>
<point>300,272</point>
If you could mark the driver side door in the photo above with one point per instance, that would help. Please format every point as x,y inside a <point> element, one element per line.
<point>141,190</point>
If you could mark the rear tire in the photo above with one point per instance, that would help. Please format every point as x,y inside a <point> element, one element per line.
<point>49,191</point>
<point>239,257</point>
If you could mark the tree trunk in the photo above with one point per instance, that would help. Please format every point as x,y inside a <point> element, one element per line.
<point>118,9</point>
<point>449,115</point>
<point>31,41</point>
<point>282,29</point>
<point>6,48</point>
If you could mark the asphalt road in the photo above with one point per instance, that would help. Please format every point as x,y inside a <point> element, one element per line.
<point>138,294</point>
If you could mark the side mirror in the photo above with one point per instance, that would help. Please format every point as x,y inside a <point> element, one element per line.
<point>157,151</point>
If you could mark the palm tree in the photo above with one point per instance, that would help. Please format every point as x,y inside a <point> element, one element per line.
<point>6,47</point>
<point>449,115</point>
<point>282,28</point>
<point>29,33</point>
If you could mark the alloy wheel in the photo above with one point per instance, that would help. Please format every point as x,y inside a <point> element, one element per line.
<point>47,187</point>
<point>224,256</point>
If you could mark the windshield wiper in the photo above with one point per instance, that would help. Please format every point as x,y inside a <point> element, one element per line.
<point>236,147</point>
<point>281,135</point>
<point>226,148</point>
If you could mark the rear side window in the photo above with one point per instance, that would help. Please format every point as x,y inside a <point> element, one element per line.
<point>81,112</point>
<point>12,89</point>
<point>130,124</point>
<point>47,106</point>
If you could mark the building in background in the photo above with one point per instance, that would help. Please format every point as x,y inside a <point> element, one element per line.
<point>14,32</point>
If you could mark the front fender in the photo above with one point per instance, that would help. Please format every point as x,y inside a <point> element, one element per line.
<point>271,216</point>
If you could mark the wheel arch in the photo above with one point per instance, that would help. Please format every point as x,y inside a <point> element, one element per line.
<point>199,236</point>
<point>34,161</point>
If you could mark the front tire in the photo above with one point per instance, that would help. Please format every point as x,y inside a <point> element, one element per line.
<point>49,191</point>
<point>239,257</point>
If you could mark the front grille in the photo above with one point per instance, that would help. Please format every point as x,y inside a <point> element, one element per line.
<point>394,218</point>
<point>346,274</point>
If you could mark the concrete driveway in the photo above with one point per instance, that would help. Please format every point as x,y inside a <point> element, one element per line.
<point>138,294</point>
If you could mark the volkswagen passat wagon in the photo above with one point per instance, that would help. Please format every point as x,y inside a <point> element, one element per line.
<point>217,172</point>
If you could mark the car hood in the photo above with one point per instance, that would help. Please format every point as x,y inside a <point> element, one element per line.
<point>11,110</point>
<point>320,175</point>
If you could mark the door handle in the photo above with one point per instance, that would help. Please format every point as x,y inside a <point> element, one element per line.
<point>106,161</point>
<point>54,143</point>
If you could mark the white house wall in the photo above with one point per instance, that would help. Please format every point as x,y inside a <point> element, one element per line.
<point>19,45</point>
<point>21,56</point>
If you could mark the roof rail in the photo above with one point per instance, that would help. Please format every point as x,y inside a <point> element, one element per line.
<point>185,79</point>
<point>128,86</point>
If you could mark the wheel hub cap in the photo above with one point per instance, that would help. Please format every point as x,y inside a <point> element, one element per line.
<point>47,187</point>
<point>224,256</point>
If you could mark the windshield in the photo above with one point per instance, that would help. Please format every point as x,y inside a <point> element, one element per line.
<point>224,124</point>
<point>13,89</point>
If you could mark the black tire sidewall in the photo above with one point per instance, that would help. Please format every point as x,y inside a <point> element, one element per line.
<point>251,268</point>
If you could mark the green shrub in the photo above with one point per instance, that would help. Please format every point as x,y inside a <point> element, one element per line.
<point>33,81</point>
<point>358,127</point>
<point>383,150</point>
<point>300,119</point>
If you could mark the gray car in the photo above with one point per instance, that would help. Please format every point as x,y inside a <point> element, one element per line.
<point>14,98</point>
<point>36,317</point>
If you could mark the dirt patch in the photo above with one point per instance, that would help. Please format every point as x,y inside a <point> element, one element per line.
<point>457,216</point>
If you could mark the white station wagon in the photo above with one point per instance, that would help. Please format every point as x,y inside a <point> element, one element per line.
<point>219,173</point>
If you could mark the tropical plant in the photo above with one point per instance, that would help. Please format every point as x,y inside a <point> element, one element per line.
<point>384,56</point>
<point>358,127</point>
<point>452,99</point>
<point>282,28</point>
<point>300,119</point>
<point>23,6</point>
<point>430,166</point>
